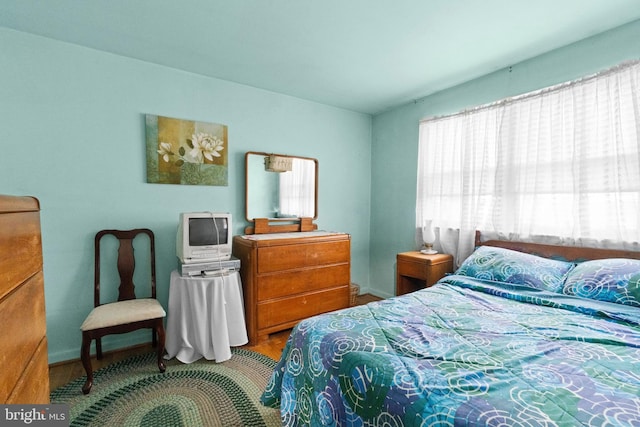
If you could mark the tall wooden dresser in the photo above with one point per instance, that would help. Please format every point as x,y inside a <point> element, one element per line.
<point>24,376</point>
<point>287,279</point>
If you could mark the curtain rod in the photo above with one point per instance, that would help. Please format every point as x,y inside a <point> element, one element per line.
<point>555,88</point>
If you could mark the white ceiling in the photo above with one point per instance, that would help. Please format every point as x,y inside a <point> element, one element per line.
<point>362,55</point>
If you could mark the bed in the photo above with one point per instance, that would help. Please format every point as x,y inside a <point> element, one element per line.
<point>520,335</point>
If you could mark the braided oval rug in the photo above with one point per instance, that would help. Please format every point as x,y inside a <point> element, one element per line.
<point>133,392</point>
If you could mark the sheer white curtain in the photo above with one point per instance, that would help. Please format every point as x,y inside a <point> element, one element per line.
<point>297,189</point>
<point>562,162</point>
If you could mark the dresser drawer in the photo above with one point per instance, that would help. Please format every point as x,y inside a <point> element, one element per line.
<point>413,269</point>
<point>293,309</point>
<point>278,285</point>
<point>289,257</point>
<point>22,316</point>
<point>430,268</point>
<point>29,388</point>
<point>21,248</point>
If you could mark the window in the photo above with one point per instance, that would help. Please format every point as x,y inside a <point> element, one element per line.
<point>563,161</point>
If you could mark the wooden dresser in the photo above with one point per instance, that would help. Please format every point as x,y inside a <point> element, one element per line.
<point>289,279</point>
<point>24,374</point>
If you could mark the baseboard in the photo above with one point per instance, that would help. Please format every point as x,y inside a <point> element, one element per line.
<point>104,354</point>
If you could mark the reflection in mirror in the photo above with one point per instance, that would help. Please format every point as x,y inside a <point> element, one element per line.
<point>281,195</point>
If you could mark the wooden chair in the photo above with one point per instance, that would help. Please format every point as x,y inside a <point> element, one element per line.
<point>128,313</point>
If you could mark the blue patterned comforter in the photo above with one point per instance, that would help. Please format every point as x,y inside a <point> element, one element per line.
<point>464,352</point>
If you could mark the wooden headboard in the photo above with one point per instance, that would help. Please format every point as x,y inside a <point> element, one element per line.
<point>566,253</point>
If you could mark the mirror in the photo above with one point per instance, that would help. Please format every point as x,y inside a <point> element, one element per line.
<point>280,196</point>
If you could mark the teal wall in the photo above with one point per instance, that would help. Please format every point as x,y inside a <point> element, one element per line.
<point>395,135</point>
<point>72,135</point>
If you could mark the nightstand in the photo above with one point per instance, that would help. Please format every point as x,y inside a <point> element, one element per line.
<point>418,271</point>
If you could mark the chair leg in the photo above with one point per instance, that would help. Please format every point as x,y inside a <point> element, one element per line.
<point>99,348</point>
<point>154,338</point>
<point>160,350</point>
<point>85,356</point>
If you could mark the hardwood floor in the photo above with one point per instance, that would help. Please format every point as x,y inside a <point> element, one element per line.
<point>64,372</point>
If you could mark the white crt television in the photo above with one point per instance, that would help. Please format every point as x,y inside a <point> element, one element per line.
<point>204,237</point>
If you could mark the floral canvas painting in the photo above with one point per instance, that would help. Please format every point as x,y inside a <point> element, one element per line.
<point>186,152</point>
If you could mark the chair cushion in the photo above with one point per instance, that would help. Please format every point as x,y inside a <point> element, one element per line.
<point>122,312</point>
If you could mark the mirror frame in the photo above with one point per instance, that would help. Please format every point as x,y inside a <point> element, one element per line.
<point>246,186</point>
